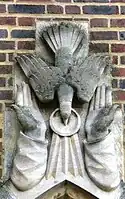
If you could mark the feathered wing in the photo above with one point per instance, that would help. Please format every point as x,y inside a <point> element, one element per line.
<point>66,35</point>
<point>86,76</point>
<point>43,79</point>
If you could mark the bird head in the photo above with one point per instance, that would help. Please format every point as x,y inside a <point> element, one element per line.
<point>65,96</point>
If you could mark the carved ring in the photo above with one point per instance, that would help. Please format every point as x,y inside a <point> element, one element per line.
<point>60,128</point>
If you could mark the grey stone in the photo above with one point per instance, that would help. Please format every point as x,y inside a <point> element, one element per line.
<point>4,194</point>
<point>123,190</point>
<point>89,155</point>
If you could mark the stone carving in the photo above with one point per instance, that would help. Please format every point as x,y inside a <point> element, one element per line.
<point>98,130</point>
<point>28,168</point>
<point>83,142</point>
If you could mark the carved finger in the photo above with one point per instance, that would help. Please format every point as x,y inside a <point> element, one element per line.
<point>19,95</point>
<point>25,94</point>
<point>108,97</point>
<point>92,103</point>
<point>113,110</point>
<point>30,103</point>
<point>97,63</point>
<point>102,96</point>
<point>35,61</point>
<point>34,102</point>
<point>97,98</point>
<point>103,61</point>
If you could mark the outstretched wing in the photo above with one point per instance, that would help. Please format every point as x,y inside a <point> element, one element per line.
<point>43,79</point>
<point>86,77</point>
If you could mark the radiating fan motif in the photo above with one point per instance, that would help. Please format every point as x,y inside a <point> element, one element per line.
<point>64,35</point>
<point>65,157</point>
<point>69,42</point>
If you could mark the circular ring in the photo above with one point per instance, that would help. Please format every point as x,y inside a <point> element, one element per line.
<point>57,125</point>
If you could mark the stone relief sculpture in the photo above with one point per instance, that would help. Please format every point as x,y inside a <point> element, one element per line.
<point>70,90</point>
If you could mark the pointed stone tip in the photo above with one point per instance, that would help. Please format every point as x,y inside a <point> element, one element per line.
<point>65,121</point>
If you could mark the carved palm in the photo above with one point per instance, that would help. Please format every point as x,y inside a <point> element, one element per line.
<point>101,114</point>
<point>27,110</point>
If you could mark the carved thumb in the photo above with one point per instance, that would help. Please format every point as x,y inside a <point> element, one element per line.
<point>113,110</point>
<point>108,119</point>
<point>25,117</point>
<point>17,109</point>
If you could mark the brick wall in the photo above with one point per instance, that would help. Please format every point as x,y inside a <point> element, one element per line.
<point>17,32</point>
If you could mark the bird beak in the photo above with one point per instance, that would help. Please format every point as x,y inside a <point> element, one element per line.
<point>65,121</point>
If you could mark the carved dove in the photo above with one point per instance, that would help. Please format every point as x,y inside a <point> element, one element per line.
<point>68,42</point>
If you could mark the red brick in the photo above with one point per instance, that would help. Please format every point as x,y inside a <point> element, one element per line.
<point>2,8</point>
<point>123,10</point>
<point>115,60</point>
<point>1,147</point>
<point>115,1</point>
<point>5,45</point>
<point>26,9</point>
<point>117,22</point>
<point>2,82</point>
<point>72,10</point>
<point>0,133</point>
<point>11,57</point>
<point>98,48</point>
<point>63,1</point>
<point>119,95</point>
<point>10,82</point>
<point>91,1</point>
<point>26,21</point>
<point>105,35</point>
<point>3,33</point>
<point>118,72</point>
<point>122,59</point>
<point>6,94</point>
<point>118,48</point>
<point>43,1</point>
<point>2,57</point>
<point>100,10</point>
<point>23,33</point>
<point>5,69</point>
<point>7,21</point>
<point>99,22</point>
<point>29,45</point>
<point>0,159</point>
<point>54,9</point>
<point>114,83</point>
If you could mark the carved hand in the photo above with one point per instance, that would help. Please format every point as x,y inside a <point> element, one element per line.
<point>27,110</point>
<point>28,168</point>
<point>101,114</point>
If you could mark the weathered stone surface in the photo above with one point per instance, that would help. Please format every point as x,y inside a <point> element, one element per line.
<point>4,194</point>
<point>88,155</point>
<point>28,168</point>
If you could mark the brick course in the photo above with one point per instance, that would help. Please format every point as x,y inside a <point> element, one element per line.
<point>17,35</point>
<point>29,9</point>
<point>100,10</point>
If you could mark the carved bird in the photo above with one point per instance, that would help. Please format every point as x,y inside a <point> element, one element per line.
<point>73,69</point>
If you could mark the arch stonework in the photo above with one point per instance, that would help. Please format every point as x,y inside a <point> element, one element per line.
<point>66,190</point>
